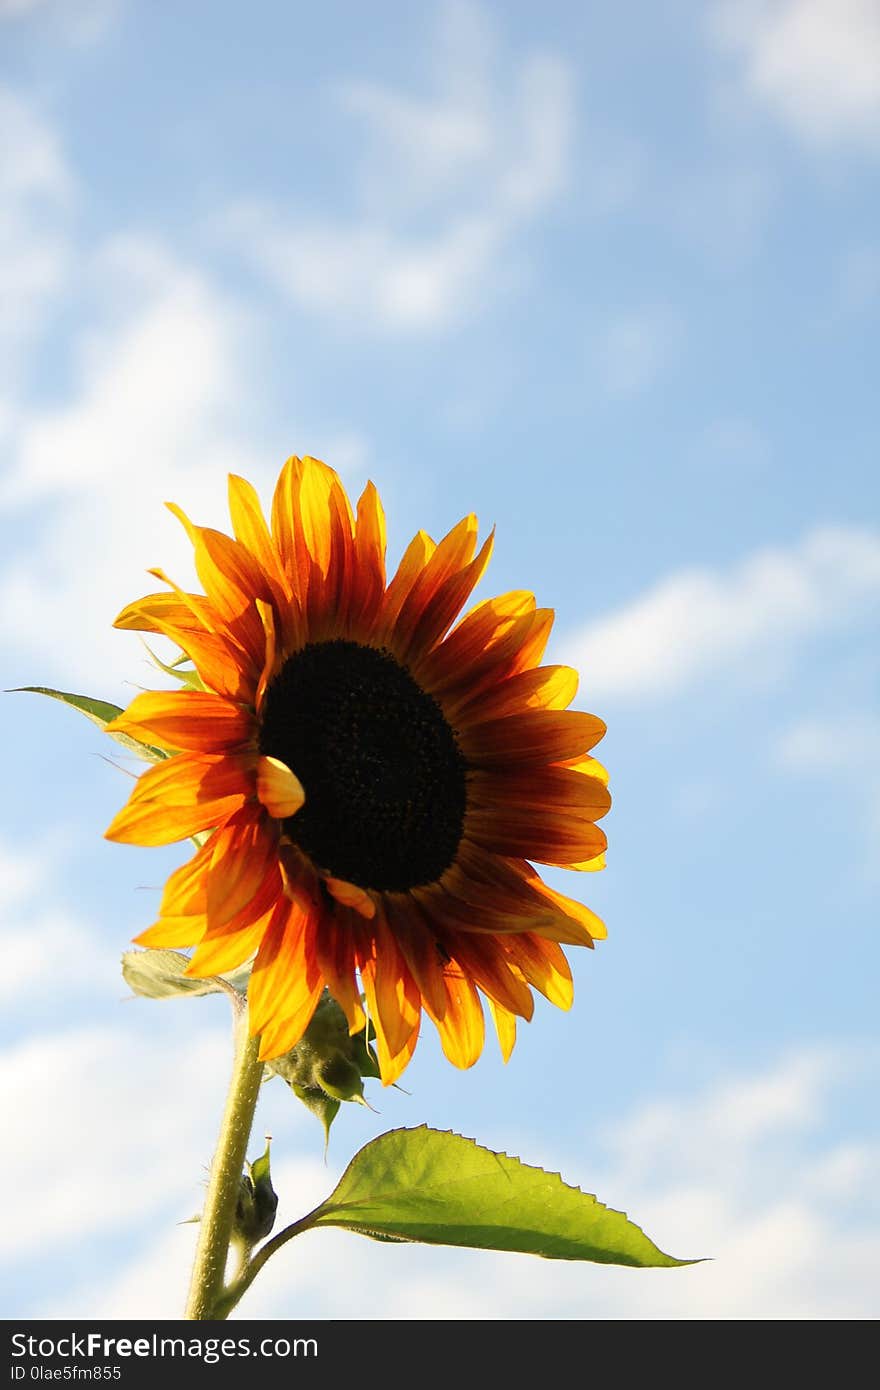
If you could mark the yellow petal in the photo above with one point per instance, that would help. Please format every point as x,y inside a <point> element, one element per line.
<point>279,789</point>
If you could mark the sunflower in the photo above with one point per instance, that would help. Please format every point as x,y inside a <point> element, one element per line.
<point>375,784</point>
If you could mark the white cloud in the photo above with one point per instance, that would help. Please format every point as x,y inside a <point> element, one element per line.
<point>845,744</point>
<point>77,21</point>
<point>446,185</point>
<point>636,348</point>
<point>747,1171</point>
<point>814,63</point>
<point>36,196</point>
<point>109,1125</point>
<point>699,621</point>
<point>162,382</point>
<point>47,953</point>
<point>845,747</point>
<point>732,445</point>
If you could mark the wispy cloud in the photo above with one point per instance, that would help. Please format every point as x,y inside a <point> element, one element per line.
<point>447,184</point>
<point>637,348</point>
<point>814,63</point>
<point>845,749</point>
<point>697,622</point>
<point>36,194</point>
<point>739,1171</point>
<point>76,21</point>
<point>161,379</point>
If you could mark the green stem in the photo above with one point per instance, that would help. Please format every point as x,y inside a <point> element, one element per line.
<point>251,1269</point>
<point>215,1226</point>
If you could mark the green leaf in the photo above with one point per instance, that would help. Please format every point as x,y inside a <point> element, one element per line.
<point>159,975</point>
<point>100,712</point>
<point>442,1189</point>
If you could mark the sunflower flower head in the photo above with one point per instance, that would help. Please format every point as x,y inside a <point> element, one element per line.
<point>377,778</point>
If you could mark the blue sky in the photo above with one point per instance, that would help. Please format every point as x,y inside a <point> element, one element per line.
<point>609,277</point>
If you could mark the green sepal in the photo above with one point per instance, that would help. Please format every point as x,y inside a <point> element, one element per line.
<point>159,974</point>
<point>328,1065</point>
<point>180,669</point>
<point>102,713</point>
<point>257,1202</point>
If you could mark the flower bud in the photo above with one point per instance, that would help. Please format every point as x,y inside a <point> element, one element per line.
<point>328,1064</point>
<point>257,1202</point>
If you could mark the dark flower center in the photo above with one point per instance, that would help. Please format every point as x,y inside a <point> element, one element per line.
<point>383,775</point>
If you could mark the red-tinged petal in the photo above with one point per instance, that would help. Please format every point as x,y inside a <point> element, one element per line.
<point>542,688</point>
<point>483,960</point>
<point>226,951</point>
<point>589,866</point>
<point>417,940</point>
<point>445,605</point>
<point>245,853</point>
<point>334,950</point>
<point>194,720</point>
<point>285,983</point>
<point>535,737</point>
<point>454,552</point>
<point>543,793</point>
<point>390,1068</point>
<point>393,1000</point>
<point>220,662</point>
<point>549,840</point>
<point>519,646</point>
<point>462,1027</point>
<point>369,575</point>
<point>544,965</point>
<point>181,796</point>
<point>252,532</point>
<point>185,893</point>
<point>415,557</point>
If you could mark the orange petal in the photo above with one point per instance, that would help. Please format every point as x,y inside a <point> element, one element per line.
<point>220,662</point>
<point>542,688</point>
<point>415,557</point>
<point>185,892</point>
<point>540,792</point>
<point>144,613</point>
<point>393,1000</point>
<point>334,950</point>
<point>350,895</point>
<point>462,1027</point>
<point>483,960</point>
<point>535,736</point>
<point>226,951</point>
<point>478,630</point>
<point>245,851</point>
<point>544,965</point>
<point>505,1027</point>
<point>519,645</point>
<point>418,943</point>
<point>194,720</point>
<point>172,933</point>
<point>278,789</point>
<point>548,839</point>
<point>285,983</point>
<point>445,605</point>
<point>454,554</point>
<point>369,577</point>
<point>181,796</point>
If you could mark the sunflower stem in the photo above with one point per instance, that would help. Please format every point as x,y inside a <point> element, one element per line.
<point>216,1224</point>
